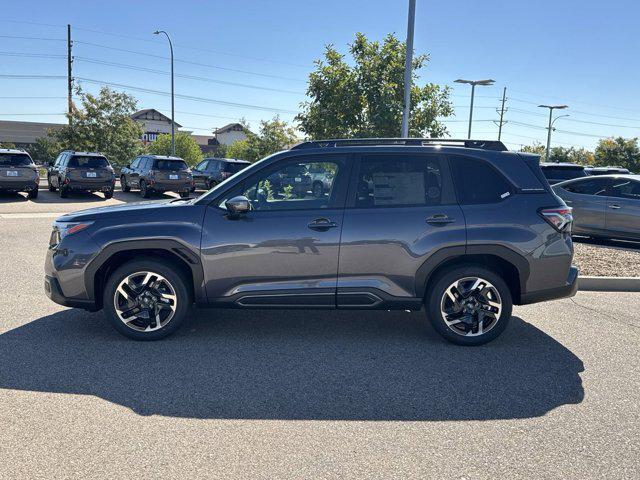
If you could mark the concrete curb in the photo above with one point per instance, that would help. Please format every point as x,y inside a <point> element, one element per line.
<point>609,284</point>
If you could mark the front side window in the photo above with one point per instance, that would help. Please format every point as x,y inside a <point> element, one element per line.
<point>477,182</point>
<point>623,188</point>
<point>401,180</point>
<point>135,163</point>
<point>202,166</point>
<point>289,186</point>
<point>592,186</point>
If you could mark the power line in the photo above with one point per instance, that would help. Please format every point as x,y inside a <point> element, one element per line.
<point>192,77</point>
<point>187,97</point>
<point>23,37</point>
<point>32,77</point>
<point>32,55</point>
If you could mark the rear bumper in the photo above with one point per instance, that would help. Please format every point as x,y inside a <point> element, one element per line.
<point>90,186</point>
<point>569,289</point>
<point>54,292</point>
<point>19,186</point>
<point>171,187</point>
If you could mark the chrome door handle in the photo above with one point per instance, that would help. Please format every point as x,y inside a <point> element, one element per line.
<point>615,207</point>
<point>321,224</point>
<point>439,219</point>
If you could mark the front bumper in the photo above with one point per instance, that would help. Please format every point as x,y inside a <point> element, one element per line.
<point>54,292</point>
<point>569,289</point>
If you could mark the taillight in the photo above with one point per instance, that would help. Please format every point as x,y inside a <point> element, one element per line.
<point>152,173</point>
<point>559,218</point>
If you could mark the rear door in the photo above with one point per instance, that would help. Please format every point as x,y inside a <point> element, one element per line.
<point>623,208</point>
<point>401,209</point>
<point>588,198</point>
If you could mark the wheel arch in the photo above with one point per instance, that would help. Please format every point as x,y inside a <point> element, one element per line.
<point>116,254</point>
<point>512,266</point>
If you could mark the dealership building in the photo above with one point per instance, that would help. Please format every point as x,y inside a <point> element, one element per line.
<point>154,123</point>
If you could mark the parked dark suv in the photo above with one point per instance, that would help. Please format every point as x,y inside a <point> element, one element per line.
<point>211,171</point>
<point>157,174</point>
<point>462,228</point>
<point>18,173</point>
<point>81,171</point>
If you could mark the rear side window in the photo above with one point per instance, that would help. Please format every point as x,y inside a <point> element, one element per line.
<point>171,165</point>
<point>623,188</point>
<point>478,182</point>
<point>87,162</point>
<point>402,181</point>
<point>592,186</point>
<point>15,160</point>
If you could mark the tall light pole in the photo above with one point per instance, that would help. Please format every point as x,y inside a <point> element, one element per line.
<point>407,69</point>
<point>173,123</point>
<point>551,109</point>
<point>473,84</point>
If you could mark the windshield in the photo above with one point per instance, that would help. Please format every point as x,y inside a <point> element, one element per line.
<point>15,160</point>
<point>88,162</point>
<point>170,165</point>
<point>564,173</point>
<point>235,167</point>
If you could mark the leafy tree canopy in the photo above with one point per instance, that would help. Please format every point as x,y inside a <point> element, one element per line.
<point>102,124</point>
<point>365,97</point>
<point>274,135</point>
<point>186,147</point>
<point>623,152</point>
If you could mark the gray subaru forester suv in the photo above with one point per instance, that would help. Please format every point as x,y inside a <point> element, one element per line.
<point>461,228</point>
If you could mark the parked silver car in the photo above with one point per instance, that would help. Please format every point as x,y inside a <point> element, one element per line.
<point>606,206</point>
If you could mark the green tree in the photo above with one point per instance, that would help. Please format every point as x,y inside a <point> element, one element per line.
<point>186,147</point>
<point>102,124</point>
<point>536,148</point>
<point>623,152</point>
<point>45,149</point>
<point>365,97</point>
<point>274,135</point>
<point>7,145</point>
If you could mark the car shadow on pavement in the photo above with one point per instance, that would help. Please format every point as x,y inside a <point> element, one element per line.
<point>307,365</point>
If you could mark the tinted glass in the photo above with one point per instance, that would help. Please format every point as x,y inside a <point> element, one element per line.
<point>15,160</point>
<point>135,163</point>
<point>592,186</point>
<point>202,165</point>
<point>478,182</point>
<point>563,173</point>
<point>87,162</point>
<point>233,167</point>
<point>399,180</point>
<point>170,165</point>
<point>623,188</point>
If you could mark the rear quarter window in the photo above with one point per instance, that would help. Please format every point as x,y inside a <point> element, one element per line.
<point>477,182</point>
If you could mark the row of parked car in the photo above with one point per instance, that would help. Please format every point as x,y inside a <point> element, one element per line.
<point>75,171</point>
<point>559,172</point>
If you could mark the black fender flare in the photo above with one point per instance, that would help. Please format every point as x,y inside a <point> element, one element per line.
<point>174,247</point>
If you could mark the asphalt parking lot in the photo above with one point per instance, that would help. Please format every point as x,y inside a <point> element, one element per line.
<point>307,394</point>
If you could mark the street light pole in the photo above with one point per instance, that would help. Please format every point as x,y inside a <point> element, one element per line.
<point>473,84</point>
<point>407,69</point>
<point>551,109</point>
<point>173,123</point>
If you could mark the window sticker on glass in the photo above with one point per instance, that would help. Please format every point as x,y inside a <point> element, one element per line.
<point>406,188</point>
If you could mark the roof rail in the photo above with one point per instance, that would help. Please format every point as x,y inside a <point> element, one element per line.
<point>355,142</point>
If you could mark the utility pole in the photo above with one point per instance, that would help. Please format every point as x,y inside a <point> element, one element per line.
<point>69,75</point>
<point>407,69</point>
<point>502,111</point>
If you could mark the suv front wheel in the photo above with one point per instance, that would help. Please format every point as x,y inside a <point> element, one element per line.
<point>146,299</point>
<point>469,305</point>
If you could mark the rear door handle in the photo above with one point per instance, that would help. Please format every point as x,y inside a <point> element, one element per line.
<point>440,219</point>
<point>321,224</point>
<point>615,207</point>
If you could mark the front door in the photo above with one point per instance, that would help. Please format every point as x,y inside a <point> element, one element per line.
<point>283,252</point>
<point>623,208</point>
<point>401,209</point>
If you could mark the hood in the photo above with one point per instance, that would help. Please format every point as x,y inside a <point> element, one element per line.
<point>124,210</point>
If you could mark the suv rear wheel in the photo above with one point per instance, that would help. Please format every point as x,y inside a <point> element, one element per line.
<point>146,299</point>
<point>469,305</point>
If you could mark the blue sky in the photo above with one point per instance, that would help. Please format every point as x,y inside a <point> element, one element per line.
<point>582,53</point>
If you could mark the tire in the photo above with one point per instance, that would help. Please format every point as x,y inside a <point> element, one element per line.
<point>32,194</point>
<point>63,192</point>
<point>51,187</point>
<point>123,184</point>
<point>144,191</point>
<point>211,184</point>
<point>318,189</point>
<point>463,327</point>
<point>184,194</point>
<point>137,270</point>
<point>108,194</point>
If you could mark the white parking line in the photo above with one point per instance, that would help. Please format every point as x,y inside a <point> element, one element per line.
<point>31,215</point>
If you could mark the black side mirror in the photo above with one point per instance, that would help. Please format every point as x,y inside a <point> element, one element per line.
<point>238,205</point>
